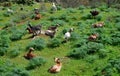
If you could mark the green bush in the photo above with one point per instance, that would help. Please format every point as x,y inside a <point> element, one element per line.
<point>115,38</point>
<point>36,62</point>
<point>16,35</point>
<point>4,42</point>
<point>112,67</point>
<point>71,10</point>
<point>90,59</point>
<point>9,69</point>
<point>118,26</point>
<point>94,47</point>
<point>78,53</point>
<point>65,30</point>
<point>60,22</point>
<point>6,14</point>
<point>87,16</point>
<point>59,7</point>
<point>117,19</point>
<point>38,44</point>
<point>74,36</point>
<point>45,23</point>
<point>103,7</point>
<point>64,17</point>
<point>52,18</point>
<point>99,18</point>
<point>80,43</point>
<point>81,7</point>
<point>55,42</point>
<point>102,53</point>
<point>14,52</point>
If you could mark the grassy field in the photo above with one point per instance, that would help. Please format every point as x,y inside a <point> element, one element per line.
<point>71,66</point>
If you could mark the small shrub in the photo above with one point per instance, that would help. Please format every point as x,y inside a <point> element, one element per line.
<point>117,19</point>
<point>9,69</point>
<point>14,52</point>
<point>16,35</point>
<point>94,47</point>
<point>78,53</point>
<point>64,30</point>
<point>64,17</point>
<point>87,16</point>
<point>4,43</point>
<point>102,53</point>
<point>55,42</point>
<point>80,43</point>
<point>81,7</point>
<point>60,22</point>
<point>6,14</point>
<point>115,38</point>
<point>74,36</point>
<point>99,18</point>
<point>71,10</point>
<point>59,7</point>
<point>52,18</point>
<point>36,62</point>
<point>106,39</point>
<point>90,59</point>
<point>45,23</point>
<point>118,26</point>
<point>116,41</point>
<point>38,44</point>
<point>103,7</point>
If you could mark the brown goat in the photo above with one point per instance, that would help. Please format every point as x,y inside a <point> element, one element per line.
<point>29,55</point>
<point>38,16</point>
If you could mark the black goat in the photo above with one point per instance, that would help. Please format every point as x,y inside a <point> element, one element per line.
<point>34,29</point>
<point>94,13</point>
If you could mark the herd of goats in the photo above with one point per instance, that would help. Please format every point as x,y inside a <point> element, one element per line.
<point>51,31</point>
<point>36,30</point>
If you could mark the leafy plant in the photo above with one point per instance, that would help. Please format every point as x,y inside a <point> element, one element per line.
<point>78,53</point>
<point>94,47</point>
<point>55,42</point>
<point>14,52</point>
<point>102,53</point>
<point>16,35</point>
<point>86,16</point>
<point>36,62</point>
<point>9,69</point>
<point>38,44</point>
<point>4,43</point>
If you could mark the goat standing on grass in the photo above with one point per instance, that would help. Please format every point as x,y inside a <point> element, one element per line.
<point>57,67</point>
<point>50,33</point>
<point>68,35</point>
<point>54,8</point>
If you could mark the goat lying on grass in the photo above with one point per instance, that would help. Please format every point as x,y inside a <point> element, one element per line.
<point>29,55</point>
<point>57,67</point>
<point>99,24</point>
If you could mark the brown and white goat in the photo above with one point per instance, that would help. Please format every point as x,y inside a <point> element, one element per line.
<point>29,55</point>
<point>57,67</point>
<point>93,37</point>
<point>99,24</point>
